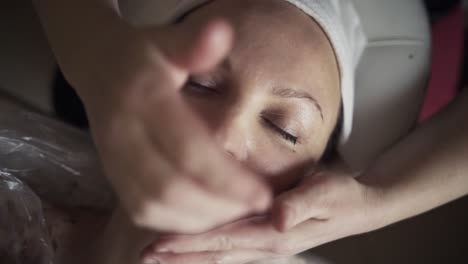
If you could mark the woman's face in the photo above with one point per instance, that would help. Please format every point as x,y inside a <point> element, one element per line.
<point>273,103</point>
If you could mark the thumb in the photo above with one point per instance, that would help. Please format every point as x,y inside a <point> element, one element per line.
<point>296,206</point>
<point>195,51</point>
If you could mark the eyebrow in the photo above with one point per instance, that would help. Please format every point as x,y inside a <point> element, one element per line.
<point>286,92</point>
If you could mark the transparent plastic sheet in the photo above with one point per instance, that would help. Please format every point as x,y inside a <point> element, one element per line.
<point>58,162</point>
<point>42,160</point>
<point>23,231</point>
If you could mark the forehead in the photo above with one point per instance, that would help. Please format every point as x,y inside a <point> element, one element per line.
<point>269,26</point>
<point>273,33</point>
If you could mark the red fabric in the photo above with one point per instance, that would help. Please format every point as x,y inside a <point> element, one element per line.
<point>447,58</point>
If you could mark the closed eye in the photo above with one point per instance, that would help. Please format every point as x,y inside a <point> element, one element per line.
<point>285,135</point>
<point>196,88</point>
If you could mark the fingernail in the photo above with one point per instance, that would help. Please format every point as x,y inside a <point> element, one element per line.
<point>151,260</point>
<point>149,257</point>
<point>162,250</point>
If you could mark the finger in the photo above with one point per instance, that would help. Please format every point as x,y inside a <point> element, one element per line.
<point>225,257</point>
<point>127,157</point>
<point>255,233</point>
<point>193,153</point>
<point>140,178</point>
<point>298,205</point>
<point>195,51</point>
<point>304,236</point>
<point>171,202</point>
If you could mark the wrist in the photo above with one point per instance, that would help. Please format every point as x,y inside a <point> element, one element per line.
<point>380,193</point>
<point>375,207</point>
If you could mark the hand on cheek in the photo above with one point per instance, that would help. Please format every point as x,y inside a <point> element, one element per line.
<point>158,157</point>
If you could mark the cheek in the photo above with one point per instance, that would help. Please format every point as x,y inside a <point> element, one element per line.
<point>317,143</point>
<point>282,168</point>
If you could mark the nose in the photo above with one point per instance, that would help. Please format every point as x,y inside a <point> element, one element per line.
<point>233,138</point>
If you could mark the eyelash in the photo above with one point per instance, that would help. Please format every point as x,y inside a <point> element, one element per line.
<point>200,89</point>
<point>284,134</point>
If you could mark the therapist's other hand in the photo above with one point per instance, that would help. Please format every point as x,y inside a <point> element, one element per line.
<point>325,207</point>
<point>168,173</point>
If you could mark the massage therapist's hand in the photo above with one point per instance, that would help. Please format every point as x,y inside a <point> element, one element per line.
<point>165,168</point>
<point>324,208</point>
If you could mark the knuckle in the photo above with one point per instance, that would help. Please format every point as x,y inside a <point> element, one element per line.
<point>283,247</point>
<point>327,202</point>
<point>288,211</point>
<point>217,258</point>
<point>224,243</point>
<point>325,194</point>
